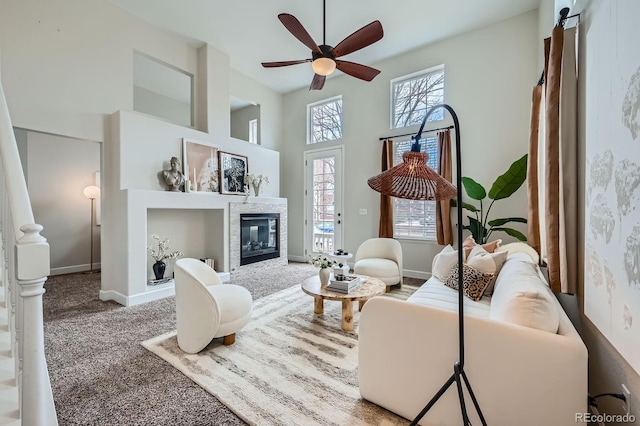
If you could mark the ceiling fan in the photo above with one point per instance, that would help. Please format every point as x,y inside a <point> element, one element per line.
<point>323,58</point>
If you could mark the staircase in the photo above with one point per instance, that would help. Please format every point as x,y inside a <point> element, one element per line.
<point>25,390</point>
<point>9,403</point>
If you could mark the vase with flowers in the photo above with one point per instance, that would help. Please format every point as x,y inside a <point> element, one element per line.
<point>161,253</point>
<point>325,264</point>
<point>255,181</point>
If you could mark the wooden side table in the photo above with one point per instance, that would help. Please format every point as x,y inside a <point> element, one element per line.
<point>370,288</point>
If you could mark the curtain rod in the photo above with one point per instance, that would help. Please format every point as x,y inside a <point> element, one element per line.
<point>411,134</point>
<point>561,20</point>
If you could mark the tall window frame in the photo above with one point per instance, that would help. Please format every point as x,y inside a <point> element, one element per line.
<point>414,219</point>
<point>412,95</point>
<point>324,120</point>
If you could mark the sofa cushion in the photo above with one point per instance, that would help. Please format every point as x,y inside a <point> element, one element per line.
<point>443,262</point>
<point>522,297</point>
<point>474,281</point>
<point>520,247</point>
<point>489,263</point>
<point>383,269</point>
<point>435,294</point>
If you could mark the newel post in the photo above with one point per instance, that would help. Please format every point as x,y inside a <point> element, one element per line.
<point>32,269</point>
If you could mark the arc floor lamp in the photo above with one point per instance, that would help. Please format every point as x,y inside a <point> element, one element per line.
<point>414,180</point>
<point>92,192</point>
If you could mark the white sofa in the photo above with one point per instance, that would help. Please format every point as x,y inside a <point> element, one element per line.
<point>520,374</point>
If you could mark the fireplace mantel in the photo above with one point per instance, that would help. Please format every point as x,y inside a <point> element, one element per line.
<point>132,258</point>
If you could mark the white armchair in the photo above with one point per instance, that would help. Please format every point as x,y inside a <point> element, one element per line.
<point>380,258</point>
<point>206,308</point>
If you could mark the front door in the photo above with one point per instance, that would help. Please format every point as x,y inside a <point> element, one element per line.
<point>323,201</point>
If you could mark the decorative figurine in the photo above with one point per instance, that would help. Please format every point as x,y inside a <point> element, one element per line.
<point>173,177</point>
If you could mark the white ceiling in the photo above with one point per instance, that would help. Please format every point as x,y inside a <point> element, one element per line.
<point>250,32</point>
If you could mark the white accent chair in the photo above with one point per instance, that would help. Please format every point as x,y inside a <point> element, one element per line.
<point>380,258</point>
<point>206,308</point>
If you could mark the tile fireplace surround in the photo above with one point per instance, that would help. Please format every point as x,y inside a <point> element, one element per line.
<point>235,209</point>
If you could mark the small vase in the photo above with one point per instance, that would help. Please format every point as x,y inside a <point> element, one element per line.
<point>158,269</point>
<point>256,189</point>
<point>324,274</point>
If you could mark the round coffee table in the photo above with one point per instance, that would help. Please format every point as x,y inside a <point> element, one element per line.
<point>371,287</point>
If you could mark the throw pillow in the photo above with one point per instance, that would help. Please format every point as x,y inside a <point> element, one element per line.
<point>489,263</point>
<point>470,243</point>
<point>443,262</point>
<point>474,282</point>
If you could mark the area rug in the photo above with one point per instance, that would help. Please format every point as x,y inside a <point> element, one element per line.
<point>288,366</point>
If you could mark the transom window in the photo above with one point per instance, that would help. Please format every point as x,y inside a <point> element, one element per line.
<point>253,131</point>
<point>325,120</point>
<point>412,218</point>
<point>412,95</point>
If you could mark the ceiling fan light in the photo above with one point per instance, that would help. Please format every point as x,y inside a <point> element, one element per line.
<point>323,66</point>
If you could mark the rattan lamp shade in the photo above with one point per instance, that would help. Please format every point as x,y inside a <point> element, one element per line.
<point>413,180</point>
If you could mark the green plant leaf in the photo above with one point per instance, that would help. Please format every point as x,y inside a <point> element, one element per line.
<point>510,181</point>
<point>467,206</point>
<point>474,189</point>
<point>500,222</point>
<point>478,231</point>
<point>517,234</point>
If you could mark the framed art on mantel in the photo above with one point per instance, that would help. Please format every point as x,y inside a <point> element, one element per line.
<point>233,168</point>
<point>201,163</point>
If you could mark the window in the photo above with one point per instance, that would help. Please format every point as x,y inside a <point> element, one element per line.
<point>253,131</point>
<point>411,218</point>
<point>325,120</point>
<point>412,95</point>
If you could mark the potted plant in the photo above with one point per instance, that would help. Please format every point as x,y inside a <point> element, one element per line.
<point>504,186</point>
<point>255,181</point>
<point>324,263</point>
<point>161,253</point>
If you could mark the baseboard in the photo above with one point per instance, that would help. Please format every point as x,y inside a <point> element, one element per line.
<point>300,259</point>
<point>416,274</point>
<point>116,296</point>
<point>74,269</point>
<point>153,293</point>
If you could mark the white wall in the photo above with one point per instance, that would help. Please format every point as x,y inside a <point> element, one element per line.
<point>489,74</point>
<point>67,66</point>
<point>240,121</point>
<point>161,106</point>
<point>59,169</point>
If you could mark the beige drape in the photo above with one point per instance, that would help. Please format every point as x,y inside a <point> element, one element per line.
<point>443,208</point>
<point>560,219</point>
<point>385,228</point>
<point>533,216</point>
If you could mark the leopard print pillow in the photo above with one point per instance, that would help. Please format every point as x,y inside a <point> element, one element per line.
<point>474,281</point>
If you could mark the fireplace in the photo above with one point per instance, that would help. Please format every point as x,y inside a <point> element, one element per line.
<point>259,237</point>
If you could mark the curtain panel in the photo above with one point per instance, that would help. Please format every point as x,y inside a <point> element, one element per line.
<point>385,228</point>
<point>443,208</point>
<point>560,148</point>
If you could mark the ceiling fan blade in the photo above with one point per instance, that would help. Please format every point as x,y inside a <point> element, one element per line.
<point>365,36</point>
<point>284,63</point>
<point>318,82</point>
<point>360,71</point>
<point>295,27</point>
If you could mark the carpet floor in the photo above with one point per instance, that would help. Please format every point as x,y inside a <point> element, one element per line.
<point>101,375</point>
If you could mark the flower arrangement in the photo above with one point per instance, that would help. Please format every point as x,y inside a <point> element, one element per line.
<point>162,252</point>
<point>322,262</point>
<point>255,181</point>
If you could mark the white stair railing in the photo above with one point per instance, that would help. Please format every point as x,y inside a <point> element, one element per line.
<point>25,269</point>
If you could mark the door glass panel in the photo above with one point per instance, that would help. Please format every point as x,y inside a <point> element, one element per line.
<point>323,204</point>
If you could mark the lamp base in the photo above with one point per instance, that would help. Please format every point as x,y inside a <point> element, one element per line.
<point>92,271</point>
<point>458,376</point>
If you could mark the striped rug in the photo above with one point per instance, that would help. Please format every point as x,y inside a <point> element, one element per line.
<point>287,367</point>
